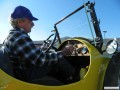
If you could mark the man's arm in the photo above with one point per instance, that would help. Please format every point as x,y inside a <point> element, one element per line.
<point>25,48</point>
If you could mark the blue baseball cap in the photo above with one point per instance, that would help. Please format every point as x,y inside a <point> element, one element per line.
<point>22,12</point>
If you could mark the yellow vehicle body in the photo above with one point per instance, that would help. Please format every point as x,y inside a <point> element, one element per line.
<point>93,80</point>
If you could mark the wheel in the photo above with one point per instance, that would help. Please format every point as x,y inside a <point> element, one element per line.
<point>48,44</point>
<point>112,76</point>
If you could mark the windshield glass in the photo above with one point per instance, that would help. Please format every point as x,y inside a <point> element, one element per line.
<point>77,25</point>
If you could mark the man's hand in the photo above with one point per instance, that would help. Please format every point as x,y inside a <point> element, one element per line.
<point>68,50</point>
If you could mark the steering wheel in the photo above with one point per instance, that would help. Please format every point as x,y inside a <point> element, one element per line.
<point>49,43</point>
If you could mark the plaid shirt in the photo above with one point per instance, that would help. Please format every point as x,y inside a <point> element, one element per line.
<point>19,44</point>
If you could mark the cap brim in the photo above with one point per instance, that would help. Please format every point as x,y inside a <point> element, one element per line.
<point>34,19</point>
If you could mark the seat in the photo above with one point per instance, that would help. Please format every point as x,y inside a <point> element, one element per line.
<point>5,63</point>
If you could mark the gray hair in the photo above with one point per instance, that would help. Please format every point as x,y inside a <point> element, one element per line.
<point>14,22</point>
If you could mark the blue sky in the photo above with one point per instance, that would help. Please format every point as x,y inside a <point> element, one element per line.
<point>50,11</point>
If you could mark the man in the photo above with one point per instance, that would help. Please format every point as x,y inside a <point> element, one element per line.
<point>30,62</point>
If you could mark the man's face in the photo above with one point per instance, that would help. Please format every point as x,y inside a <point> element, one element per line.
<point>26,25</point>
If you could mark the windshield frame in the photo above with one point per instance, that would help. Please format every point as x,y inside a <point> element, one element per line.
<point>98,40</point>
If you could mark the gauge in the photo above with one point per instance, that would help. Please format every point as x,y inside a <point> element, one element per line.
<point>84,50</point>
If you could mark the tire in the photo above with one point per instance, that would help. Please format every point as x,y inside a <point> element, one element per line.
<point>112,73</point>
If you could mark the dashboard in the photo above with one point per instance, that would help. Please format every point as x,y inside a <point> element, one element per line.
<point>80,48</point>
